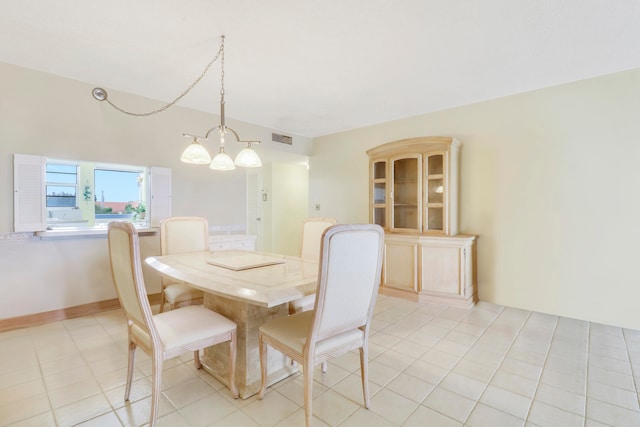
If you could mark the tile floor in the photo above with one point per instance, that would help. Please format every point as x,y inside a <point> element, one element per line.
<point>430,365</point>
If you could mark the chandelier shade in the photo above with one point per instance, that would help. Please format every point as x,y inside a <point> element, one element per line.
<point>248,158</point>
<point>222,162</point>
<point>196,154</point>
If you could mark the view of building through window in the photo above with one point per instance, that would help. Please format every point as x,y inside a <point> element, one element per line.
<point>88,194</point>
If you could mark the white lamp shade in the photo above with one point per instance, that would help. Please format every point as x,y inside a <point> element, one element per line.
<point>248,158</point>
<point>196,154</point>
<point>222,162</point>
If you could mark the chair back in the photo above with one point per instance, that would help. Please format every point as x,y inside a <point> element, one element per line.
<point>312,230</point>
<point>180,234</point>
<point>126,271</point>
<point>349,277</point>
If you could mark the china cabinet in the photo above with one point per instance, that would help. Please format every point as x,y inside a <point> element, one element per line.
<point>413,195</point>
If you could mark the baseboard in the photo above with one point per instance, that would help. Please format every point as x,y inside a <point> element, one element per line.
<point>65,313</point>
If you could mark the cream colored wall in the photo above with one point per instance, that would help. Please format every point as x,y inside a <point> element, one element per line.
<point>55,117</point>
<point>549,181</point>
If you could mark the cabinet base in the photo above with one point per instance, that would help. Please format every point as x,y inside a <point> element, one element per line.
<point>424,298</point>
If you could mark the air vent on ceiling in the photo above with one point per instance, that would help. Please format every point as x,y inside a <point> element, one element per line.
<point>275,137</point>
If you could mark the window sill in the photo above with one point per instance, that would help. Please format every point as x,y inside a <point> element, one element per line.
<point>84,231</point>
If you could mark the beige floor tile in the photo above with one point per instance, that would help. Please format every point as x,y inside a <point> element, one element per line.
<point>484,416</point>
<point>440,358</point>
<point>394,359</point>
<point>427,371</point>
<point>19,376</point>
<point>548,416</point>
<point>333,408</point>
<point>239,419</point>
<point>521,368</point>
<point>46,419</point>
<point>613,395</point>
<point>380,374</point>
<point>363,418</point>
<point>138,413</point>
<point>561,399</point>
<point>21,391</point>
<point>71,376</point>
<point>506,401</point>
<point>69,393</point>
<point>82,410</point>
<point>207,411</point>
<point>410,387</point>
<point>392,406</point>
<point>514,383</point>
<point>474,370</point>
<point>611,378</point>
<point>22,409</point>
<point>450,404</point>
<point>611,414</point>
<point>188,392</point>
<point>273,408</point>
<point>110,419</point>
<point>140,389</point>
<point>297,419</point>
<point>423,416</point>
<point>464,386</point>
<point>350,387</point>
<point>572,382</point>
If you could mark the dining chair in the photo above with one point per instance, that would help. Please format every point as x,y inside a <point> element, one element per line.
<point>348,281</point>
<point>180,234</point>
<point>312,230</point>
<point>165,335</point>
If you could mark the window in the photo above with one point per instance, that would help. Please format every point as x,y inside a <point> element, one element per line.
<point>62,185</point>
<point>51,194</point>
<point>120,194</point>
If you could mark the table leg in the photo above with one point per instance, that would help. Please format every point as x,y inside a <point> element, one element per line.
<point>249,318</point>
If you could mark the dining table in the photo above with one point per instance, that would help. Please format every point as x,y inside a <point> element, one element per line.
<point>249,288</point>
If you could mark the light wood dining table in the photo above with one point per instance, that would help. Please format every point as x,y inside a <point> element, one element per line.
<point>248,288</point>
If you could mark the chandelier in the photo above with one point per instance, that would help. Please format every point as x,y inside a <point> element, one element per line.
<point>195,153</point>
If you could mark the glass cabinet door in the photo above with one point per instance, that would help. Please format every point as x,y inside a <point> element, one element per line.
<point>435,192</point>
<point>379,196</point>
<point>406,190</point>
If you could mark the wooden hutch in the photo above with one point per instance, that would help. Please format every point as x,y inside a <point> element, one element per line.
<point>413,195</point>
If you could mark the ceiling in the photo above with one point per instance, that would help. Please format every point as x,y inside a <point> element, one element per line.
<point>312,68</point>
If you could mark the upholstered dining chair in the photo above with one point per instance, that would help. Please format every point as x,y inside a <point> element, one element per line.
<point>180,234</point>
<point>312,230</point>
<point>165,335</point>
<point>348,281</point>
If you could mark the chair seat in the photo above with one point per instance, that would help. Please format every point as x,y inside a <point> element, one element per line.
<point>187,329</point>
<point>302,304</point>
<point>179,292</point>
<point>292,331</point>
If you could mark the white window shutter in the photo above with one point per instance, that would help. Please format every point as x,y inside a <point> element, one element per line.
<point>29,193</point>
<point>160,188</point>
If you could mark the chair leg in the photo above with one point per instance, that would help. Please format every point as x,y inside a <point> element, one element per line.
<point>196,359</point>
<point>308,388</point>
<point>156,382</point>
<point>364,369</point>
<point>163,300</point>
<point>233,349</point>
<point>262,347</point>
<point>131,361</point>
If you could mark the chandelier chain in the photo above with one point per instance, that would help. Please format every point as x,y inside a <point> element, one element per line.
<point>219,54</point>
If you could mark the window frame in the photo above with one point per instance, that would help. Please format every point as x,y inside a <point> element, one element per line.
<point>30,210</point>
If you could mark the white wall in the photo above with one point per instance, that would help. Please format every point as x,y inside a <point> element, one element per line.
<point>56,117</point>
<point>549,181</point>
